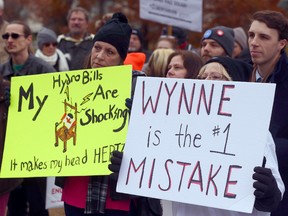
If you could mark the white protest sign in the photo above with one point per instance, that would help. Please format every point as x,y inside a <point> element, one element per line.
<point>53,194</point>
<point>182,13</point>
<point>196,141</point>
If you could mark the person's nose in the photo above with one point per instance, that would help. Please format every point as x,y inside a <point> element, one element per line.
<point>100,54</point>
<point>76,21</point>
<point>208,77</point>
<point>206,47</point>
<point>253,41</point>
<point>171,71</point>
<point>10,39</point>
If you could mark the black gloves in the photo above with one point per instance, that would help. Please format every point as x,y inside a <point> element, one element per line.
<point>128,103</point>
<point>114,167</point>
<point>267,192</point>
<point>116,156</point>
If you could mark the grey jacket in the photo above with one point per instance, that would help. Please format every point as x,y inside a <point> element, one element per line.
<point>33,65</point>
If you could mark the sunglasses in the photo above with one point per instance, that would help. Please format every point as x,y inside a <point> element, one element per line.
<point>12,35</point>
<point>49,44</point>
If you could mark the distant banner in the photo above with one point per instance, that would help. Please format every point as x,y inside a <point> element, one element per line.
<point>196,141</point>
<point>66,123</point>
<point>181,13</point>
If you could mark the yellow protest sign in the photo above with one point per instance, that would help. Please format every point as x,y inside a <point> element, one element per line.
<point>66,123</point>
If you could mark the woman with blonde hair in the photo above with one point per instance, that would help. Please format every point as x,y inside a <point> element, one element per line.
<point>157,63</point>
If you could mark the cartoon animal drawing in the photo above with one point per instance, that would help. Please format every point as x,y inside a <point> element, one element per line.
<point>66,128</point>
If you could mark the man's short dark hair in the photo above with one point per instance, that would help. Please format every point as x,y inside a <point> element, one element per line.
<point>78,9</point>
<point>274,20</point>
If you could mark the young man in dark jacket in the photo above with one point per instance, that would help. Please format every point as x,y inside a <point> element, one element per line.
<point>18,38</point>
<point>267,38</point>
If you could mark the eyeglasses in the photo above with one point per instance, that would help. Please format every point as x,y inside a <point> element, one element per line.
<point>49,44</point>
<point>12,35</point>
<point>213,76</point>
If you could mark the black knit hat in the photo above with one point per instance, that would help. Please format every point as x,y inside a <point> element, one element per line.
<point>116,32</point>
<point>138,33</point>
<point>238,70</point>
<point>179,33</point>
<point>223,35</point>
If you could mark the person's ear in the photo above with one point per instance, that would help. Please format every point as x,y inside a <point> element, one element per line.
<point>282,43</point>
<point>29,38</point>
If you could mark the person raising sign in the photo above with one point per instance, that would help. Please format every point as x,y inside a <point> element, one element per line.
<point>268,184</point>
<point>96,195</point>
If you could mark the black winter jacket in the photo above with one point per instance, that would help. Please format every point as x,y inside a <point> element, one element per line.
<point>33,65</point>
<point>279,124</point>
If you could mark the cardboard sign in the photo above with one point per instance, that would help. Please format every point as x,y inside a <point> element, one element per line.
<point>182,13</point>
<point>67,123</point>
<point>53,194</point>
<point>196,141</point>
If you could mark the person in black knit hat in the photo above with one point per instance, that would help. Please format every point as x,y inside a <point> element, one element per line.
<point>136,41</point>
<point>181,37</point>
<point>116,32</point>
<point>96,195</point>
<point>217,41</point>
<point>137,44</point>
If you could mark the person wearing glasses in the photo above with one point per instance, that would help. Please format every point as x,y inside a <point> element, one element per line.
<point>268,185</point>
<point>225,69</point>
<point>18,39</point>
<point>3,23</point>
<point>48,51</point>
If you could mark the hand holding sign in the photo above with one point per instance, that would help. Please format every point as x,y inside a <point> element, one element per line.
<point>114,167</point>
<point>191,141</point>
<point>97,110</point>
<point>267,193</point>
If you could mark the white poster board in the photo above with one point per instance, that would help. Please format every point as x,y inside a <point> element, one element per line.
<point>196,141</point>
<point>182,13</point>
<point>53,194</point>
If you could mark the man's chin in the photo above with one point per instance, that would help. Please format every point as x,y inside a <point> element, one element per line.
<point>76,32</point>
<point>10,51</point>
<point>97,66</point>
<point>206,58</point>
<point>132,49</point>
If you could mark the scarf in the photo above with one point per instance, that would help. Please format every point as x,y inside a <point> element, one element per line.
<point>52,60</point>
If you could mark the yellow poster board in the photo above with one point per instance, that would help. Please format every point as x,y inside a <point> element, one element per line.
<point>66,123</point>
